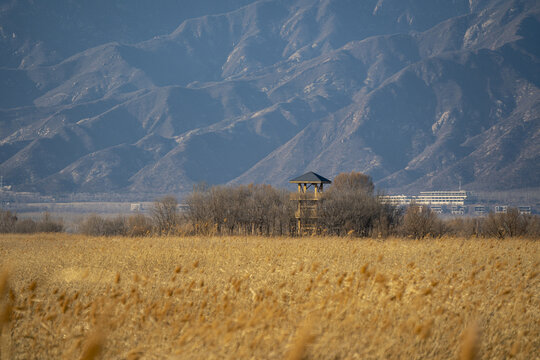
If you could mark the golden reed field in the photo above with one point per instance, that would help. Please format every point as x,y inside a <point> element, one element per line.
<point>75,297</point>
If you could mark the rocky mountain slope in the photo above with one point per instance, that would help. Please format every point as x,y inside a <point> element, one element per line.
<point>420,94</point>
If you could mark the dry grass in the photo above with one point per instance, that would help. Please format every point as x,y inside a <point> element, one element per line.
<point>69,296</point>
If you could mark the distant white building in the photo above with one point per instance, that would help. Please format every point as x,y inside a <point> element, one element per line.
<point>458,197</point>
<point>501,209</point>
<point>458,210</point>
<point>437,209</point>
<point>396,200</point>
<point>429,198</point>
<point>480,210</point>
<point>525,210</point>
<point>136,207</point>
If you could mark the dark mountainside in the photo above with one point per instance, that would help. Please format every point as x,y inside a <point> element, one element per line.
<point>129,97</point>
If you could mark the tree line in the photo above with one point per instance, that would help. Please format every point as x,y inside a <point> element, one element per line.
<point>350,207</point>
<point>11,223</point>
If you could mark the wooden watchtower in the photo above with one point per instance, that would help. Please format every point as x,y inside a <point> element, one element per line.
<point>308,202</point>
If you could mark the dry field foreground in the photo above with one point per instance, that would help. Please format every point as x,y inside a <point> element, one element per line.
<point>182,298</point>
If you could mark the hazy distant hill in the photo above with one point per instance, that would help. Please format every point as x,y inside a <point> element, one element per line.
<point>115,96</point>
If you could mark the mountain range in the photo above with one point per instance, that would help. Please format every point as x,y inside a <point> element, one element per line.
<point>152,98</point>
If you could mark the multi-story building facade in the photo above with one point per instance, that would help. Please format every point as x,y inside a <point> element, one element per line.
<point>457,198</point>
<point>429,198</point>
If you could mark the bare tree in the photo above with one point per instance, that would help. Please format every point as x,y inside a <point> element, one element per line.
<point>48,224</point>
<point>464,227</point>
<point>353,181</point>
<point>139,225</point>
<point>95,225</point>
<point>165,215</point>
<point>10,223</point>
<point>349,207</point>
<point>533,226</point>
<point>7,221</point>
<point>387,221</point>
<point>347,211</point>
<point>25,226</point>
<point>243,209</point>
<point>198,210</point>
<point>508,224</point>
<point>420,221</point>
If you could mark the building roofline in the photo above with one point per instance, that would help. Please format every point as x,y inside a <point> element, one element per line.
<point>310,178</point>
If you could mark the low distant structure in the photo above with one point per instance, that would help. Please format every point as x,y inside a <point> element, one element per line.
<point>480,210</point>
<point>308,202</point>
<point>525,210</point>
<point>458,210</point>
<point>136,207</point>
<point>436,209</point>
<point>501,209</point>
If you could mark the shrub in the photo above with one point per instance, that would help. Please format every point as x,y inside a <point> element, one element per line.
<point>92,225</point>
<point>387,221</point>
<point>25,226</point>
<point>48,224</point>
<point>95,225</point>
<point>533,226</point>
<point>7,221</point>
<point>165,215</point>
<point>353,181</point>
<point>420,221</point>
<point>139,225</point>
<point>349,212</point>
<point>115,226</point>
<point>244,209</point>
<point>464,227</point>
<point>350,207</point>
<point>10,223</point>
<point>508,224</point>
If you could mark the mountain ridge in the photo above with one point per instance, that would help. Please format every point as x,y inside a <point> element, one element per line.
<point>420,95</point>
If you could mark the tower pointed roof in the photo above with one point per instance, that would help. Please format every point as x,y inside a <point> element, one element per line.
<point>310,178</point>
